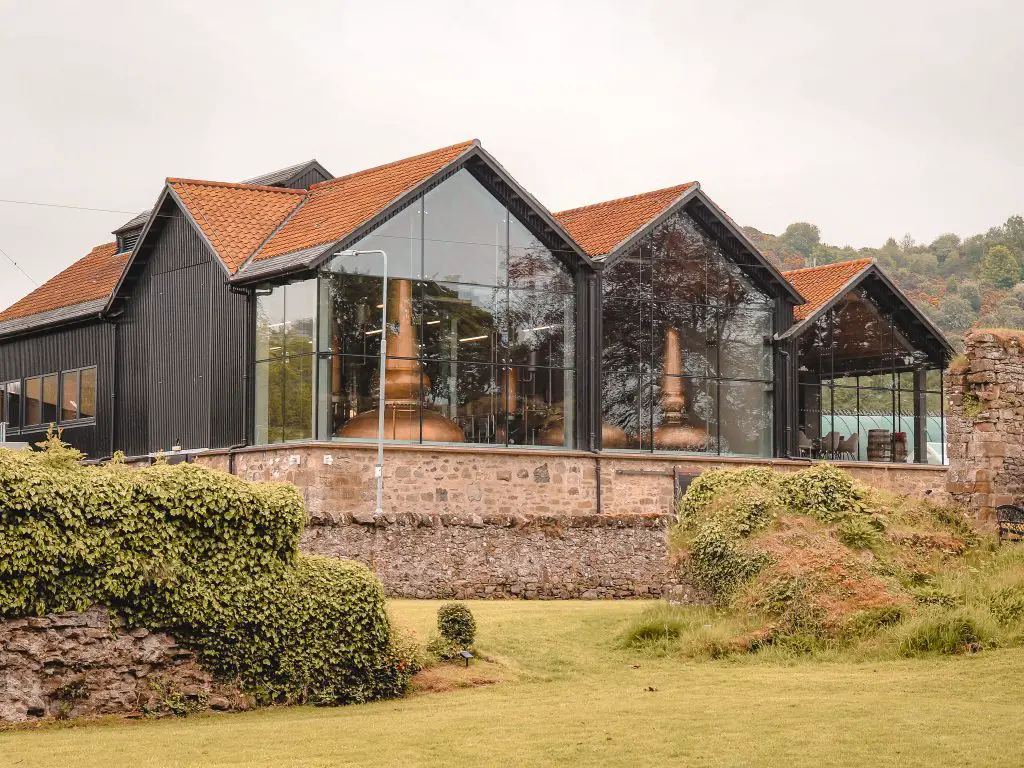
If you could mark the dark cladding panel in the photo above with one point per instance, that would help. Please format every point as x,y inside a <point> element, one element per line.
<point>230,326</point>
<point>306,180</point>
<point>63,349</point>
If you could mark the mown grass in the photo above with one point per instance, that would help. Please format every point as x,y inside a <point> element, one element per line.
<point>570,696</point>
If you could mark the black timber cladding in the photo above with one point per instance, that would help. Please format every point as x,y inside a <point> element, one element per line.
<point>62,349</point>
<point>181,345</point>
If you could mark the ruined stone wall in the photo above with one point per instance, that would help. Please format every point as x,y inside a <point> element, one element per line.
<point>985,422</point>
<point>80,664</point>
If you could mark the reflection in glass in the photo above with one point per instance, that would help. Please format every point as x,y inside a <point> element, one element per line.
<point>33,401</point>
<point>13,412</point>
<point>69,396</point>
<point>87,398</point>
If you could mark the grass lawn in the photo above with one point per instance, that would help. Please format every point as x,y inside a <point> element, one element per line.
<point>567,697</point>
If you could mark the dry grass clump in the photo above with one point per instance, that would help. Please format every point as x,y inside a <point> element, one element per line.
<point>813,563</point>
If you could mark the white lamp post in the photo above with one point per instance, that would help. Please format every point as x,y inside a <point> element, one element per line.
<point>379,469</point>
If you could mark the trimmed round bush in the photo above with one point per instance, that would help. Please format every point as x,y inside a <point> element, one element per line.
<point>456,624</point>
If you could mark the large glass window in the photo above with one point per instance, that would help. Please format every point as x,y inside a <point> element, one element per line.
<point>480,333</point>
<point>687,348</point>
<point>865,391</point>
<point>286,325</point>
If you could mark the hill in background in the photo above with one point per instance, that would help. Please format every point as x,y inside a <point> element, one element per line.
<point>960,283</point>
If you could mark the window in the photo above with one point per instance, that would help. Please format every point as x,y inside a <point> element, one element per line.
<point>78,394</point>
<point>56,398</point>
<point>12,413</point>
<point>33,401</point>
<point>69,395</point>
<point>480,333</point>
<point>687,356</point>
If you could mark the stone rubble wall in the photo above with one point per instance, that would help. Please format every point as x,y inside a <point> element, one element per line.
<point>506,556</point>
<point>82,664</point>
<point>985,423</point>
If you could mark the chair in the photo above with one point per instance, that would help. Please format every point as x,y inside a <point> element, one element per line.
<point>805,444</point>
<point>830,444</point>
<point>848,447</point>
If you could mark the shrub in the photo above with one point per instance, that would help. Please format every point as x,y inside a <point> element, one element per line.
<point>857,533</point>
<point>456,624</point>
<point>1007,605</point>
<point>443,649</point>
<point>821,491</point>
<point>208,557</point>
<point>718,483</point>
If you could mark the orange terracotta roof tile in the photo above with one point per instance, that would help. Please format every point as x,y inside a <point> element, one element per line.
<point>599,228</point>
<point>333,209</point>
<point>92,277</point>
<point>819,284</point>
<point>236,218</point>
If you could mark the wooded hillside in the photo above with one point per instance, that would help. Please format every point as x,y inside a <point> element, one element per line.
<point>960,282</point>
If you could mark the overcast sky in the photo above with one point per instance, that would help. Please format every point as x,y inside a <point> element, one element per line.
<point>870,119</point>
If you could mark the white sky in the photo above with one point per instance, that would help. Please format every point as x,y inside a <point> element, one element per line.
<point>870,119</point>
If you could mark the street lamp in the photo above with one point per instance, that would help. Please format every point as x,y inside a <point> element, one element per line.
<point>379,469</point>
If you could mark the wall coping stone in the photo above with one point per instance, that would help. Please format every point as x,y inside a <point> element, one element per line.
<point>517,521</point>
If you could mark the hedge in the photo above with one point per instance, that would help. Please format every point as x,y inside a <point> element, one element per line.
<point>204,555</point>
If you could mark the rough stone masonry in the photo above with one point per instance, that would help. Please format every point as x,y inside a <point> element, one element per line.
<point>985,422</point>
<point>80,664</point>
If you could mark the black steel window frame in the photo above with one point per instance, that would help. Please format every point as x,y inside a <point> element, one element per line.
<point>22,426</point>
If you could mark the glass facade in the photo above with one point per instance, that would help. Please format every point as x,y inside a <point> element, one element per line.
<point>56,398</point>
<point>686,358</point>
<point>481,333</point>
<point>865,390</point>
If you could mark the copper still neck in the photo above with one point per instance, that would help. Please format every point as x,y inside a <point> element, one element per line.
<point>675,434</point>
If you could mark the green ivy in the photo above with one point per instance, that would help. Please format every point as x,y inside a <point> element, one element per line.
<point>204,555</point>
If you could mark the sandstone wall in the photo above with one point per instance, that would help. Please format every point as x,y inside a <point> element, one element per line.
<point>985,423</point>
<point>84,664</point>
<point>339,478</point>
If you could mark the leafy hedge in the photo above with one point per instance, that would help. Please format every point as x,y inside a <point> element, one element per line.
<point>210,558</point>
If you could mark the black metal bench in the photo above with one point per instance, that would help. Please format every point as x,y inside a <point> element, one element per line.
<point>1010,522</point>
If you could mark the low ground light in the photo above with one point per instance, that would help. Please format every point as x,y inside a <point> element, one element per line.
<point>558,691</point>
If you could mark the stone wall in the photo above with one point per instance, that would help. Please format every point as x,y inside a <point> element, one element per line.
<point>505,555</point>
<point>476,522</point>
<point>85,664</point>
<point>985,422</point>
<point>436,480</point>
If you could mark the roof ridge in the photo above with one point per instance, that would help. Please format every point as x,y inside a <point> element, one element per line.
<point>331,182</point>
<point>681,187</point>
<point>234,185</point>
<point>864,260</point>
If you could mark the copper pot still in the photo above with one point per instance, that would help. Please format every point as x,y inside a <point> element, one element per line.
<point>404,414</point>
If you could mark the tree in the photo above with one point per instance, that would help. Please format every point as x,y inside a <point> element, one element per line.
<point>946,246</point>
<point>969,291</point>
<point>800,237</point>
<point>1014,233</point>
<point>955,314</point>
<point>999,267</point>
<point>1007,314</point>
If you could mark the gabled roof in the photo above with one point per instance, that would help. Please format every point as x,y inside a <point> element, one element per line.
<point>70,294</point>
<point>820,284</point>
<point>602,227</point>
<point>333,209</point>
<point>283,176</point>
<point>235,218</point>
<point>135,222</point>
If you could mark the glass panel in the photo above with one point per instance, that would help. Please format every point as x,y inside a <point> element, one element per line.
<point>746,418</point>
<point>264,395</point>
<point>270,324</point>
<point>354,314</point>
<point>745,345</point>
<point>87,403</point>
<point>933,380</point>
<point>69,396</point>
<point>462,322</point>
<point>468,394</point>
<point>692,429</point>
<point>697,332</point>
<point>300,302</point>
<point>352,384</point>
<point>682,262</point>
<point>623,279</point>
<point>541,407</point>
<point>14,404</point>
<point>33,401</point>
<point>532,265</point>
<point>400,237</point>
<point>465,233</point>
<point>298,398</point>
<point>624,370</point>
<point>542,327</point>
<point>50,399</point>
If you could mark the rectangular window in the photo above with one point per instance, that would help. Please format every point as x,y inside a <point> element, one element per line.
<point>33,401</point>
<point>87,396</point>
<point>13,412</point>
<point>50,399</point>
<point>3,404</point>
<point>69,395</point>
